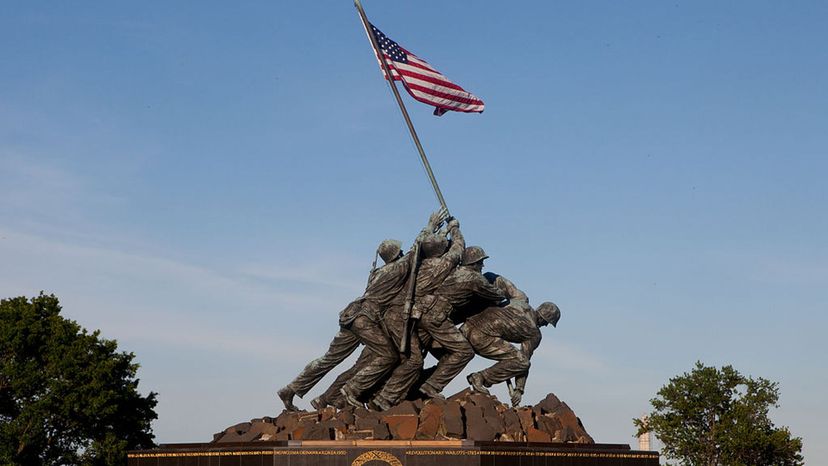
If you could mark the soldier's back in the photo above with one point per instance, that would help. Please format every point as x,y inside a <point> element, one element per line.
<point>388,282</point>
<point>431,274</point>
<point>463,285</point>
<point>512,322</point>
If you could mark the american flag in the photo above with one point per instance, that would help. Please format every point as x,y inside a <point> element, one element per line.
<point>422,81</point>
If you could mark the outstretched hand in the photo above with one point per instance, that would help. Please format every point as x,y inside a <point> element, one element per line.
<point>434,221</point>
<point>444,213</point>
<point>437,219</point>
<point>517,395</point>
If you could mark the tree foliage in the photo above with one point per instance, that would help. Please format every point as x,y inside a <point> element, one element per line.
<point>712,417</point>
<point>66,396</point>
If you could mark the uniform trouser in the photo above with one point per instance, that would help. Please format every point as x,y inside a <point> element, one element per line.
<point>332,395</point>
<point>511,361</point>
<point>459,352</point>
<point>343,344</point>
<point>380,359</point>
<point>411,363</point>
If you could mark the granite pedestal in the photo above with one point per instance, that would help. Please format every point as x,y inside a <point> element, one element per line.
<point>393,453</point>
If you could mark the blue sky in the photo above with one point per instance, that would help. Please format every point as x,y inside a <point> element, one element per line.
<point>207,183</point>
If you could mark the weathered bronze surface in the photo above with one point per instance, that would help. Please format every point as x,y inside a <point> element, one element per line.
<point>412,306</point>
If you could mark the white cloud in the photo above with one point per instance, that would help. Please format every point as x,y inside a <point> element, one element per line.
<point>36,189</point>
<point>155,299</point>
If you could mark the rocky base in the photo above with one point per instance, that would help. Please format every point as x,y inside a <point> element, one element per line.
<point>466,415</point>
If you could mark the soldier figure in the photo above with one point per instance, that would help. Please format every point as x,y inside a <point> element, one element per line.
<point>465,285</point>
<point>360,323</point>
<point>437,299</point>
<point>492,332</point>
<point>438,261</point>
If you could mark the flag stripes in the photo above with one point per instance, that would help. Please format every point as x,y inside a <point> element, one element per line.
<point>423,82</point>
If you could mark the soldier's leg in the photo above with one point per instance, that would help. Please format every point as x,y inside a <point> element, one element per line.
<point>383,357</point>
<point>427,345</point>
<point>458,351</point>
<point>511,361</point>
<point>342,345</point>
<point>332,396</point>
<point>407,372</point>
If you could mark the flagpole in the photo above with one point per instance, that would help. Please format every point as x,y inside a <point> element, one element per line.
<point>396,92</point>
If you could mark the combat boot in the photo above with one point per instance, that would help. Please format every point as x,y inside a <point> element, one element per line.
<point>350,398</point>
<point>378,404</point>
<point>286,394</point>
<point>476,381</point>
<point>319,403</point>
<point>431,392</point>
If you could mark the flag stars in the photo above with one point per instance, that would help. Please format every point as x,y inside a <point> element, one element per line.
<point>391,48</point>
<point>420,79</point>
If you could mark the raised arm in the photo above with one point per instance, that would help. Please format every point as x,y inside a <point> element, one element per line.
<point>458,243</point>
<point>485,290</point>
<point>506,286</point>
<point>434,221</point>
<point>527,348</point>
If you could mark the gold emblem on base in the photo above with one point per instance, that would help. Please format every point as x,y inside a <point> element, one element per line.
<point>376,455</point>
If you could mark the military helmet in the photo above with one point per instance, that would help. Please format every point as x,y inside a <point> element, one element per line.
<point>550,312</point>
<point>389,250</point>
<point>433,245</point>
<point>473,254</point>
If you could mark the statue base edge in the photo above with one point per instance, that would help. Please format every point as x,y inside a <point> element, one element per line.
<point>393,453</point>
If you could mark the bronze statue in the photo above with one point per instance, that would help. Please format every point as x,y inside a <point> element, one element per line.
<point>492,332</point>
<point>360,324</point>
<point>411,305</point>
<point>464,285</point>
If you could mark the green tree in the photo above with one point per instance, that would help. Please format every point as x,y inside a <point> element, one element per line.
<point>712,417</point>
<point>66,396</point>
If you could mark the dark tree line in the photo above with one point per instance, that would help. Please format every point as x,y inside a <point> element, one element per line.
<point>719,417</point>
<point>67,396</point>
